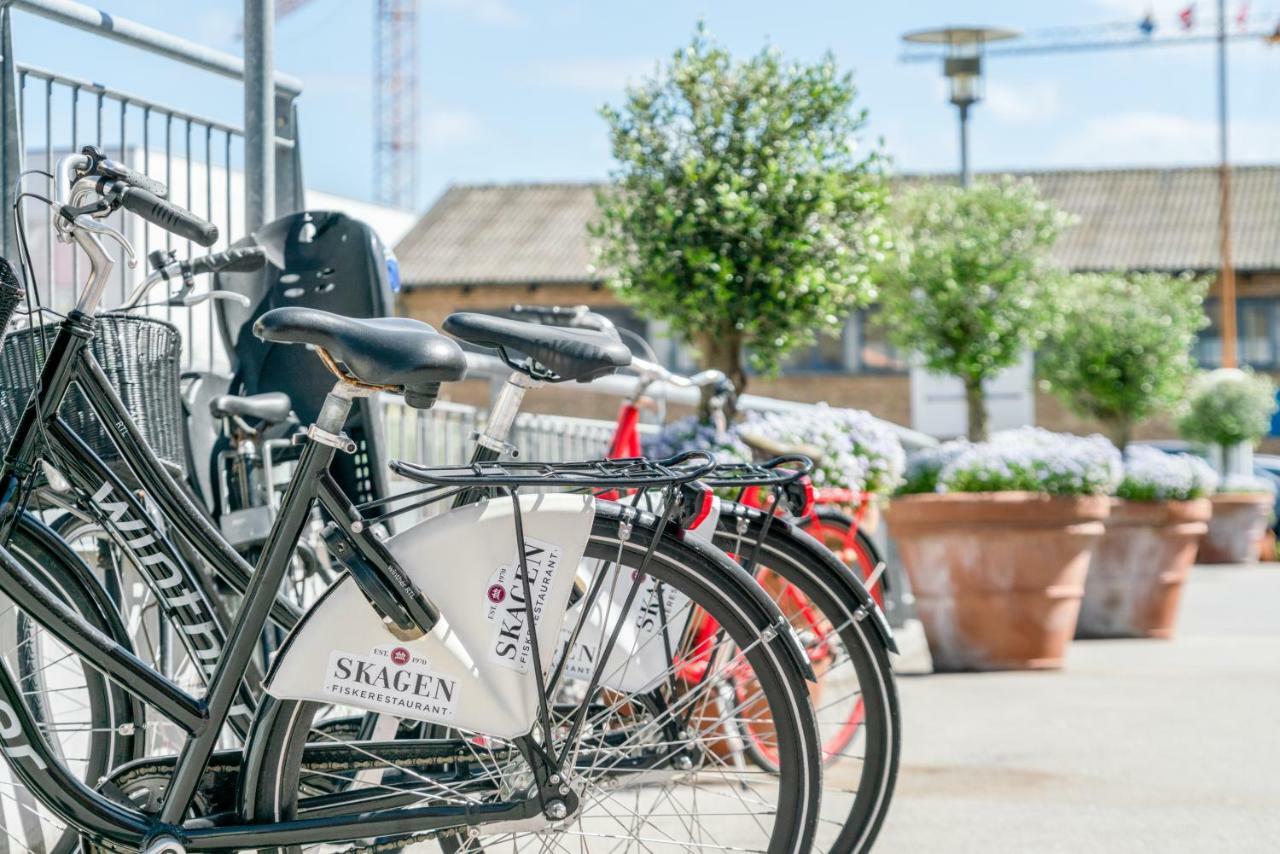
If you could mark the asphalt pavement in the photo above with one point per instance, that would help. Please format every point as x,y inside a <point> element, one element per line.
<point>1136,746</point>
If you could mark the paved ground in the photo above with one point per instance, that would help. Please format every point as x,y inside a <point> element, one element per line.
<point>1137,746</point>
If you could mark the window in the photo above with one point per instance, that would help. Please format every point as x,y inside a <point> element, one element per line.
<point>829,354</point>
<point>863,347</point>
<point>874,353</point>
<point>1256,333</point>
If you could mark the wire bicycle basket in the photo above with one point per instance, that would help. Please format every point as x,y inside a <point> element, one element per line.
<point>141,358</point>
<point>10,296</point>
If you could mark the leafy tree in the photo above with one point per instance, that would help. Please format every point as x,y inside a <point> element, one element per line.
<point>1120,350</point>
<point>742,212</point>
<point>970,287</point>
<point>1229,407</point>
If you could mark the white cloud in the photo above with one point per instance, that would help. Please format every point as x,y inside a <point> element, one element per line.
<point>601,75</point>
<point>446,128</point>
<point>1031,101</point>
<point>1153,137</point>
<point>497,12</point>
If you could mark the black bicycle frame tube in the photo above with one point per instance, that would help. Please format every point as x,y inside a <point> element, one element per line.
<point>175,581</point>
<point>43,772</point>
<point>174,504</point>
<point>132,674</point>
<point>179,590</point>
<point>242,641</point>
<point>23,453</point>
<point>337,828</point>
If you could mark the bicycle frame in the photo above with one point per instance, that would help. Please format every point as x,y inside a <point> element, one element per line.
<point>34,761</point>
<point>164,562</point>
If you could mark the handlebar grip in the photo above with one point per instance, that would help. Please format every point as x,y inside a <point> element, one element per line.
<point>243,259</point>
<point>168,216</point>
<point>119,172</point>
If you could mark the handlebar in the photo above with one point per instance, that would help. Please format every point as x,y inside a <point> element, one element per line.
<point>157,211</point>
<point>583,317</point>
<point>119,172</point>
<point>241,259</point>
<point>89,173</point>
<point>653,371</point>
<point>238,259</point>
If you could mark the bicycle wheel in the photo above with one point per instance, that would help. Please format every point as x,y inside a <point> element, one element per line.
<point>91,724</point>
<point>653,767</point>
<point>855,695</point>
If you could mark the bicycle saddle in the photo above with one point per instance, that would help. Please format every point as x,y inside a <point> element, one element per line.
<point>558,353</point>
<point>766,447</point>
<point>270,407</point>
<point>395,353</point>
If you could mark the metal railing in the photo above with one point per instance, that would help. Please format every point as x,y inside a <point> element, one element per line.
<point>47,114</point>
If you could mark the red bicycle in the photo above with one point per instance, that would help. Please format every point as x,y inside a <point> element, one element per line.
<point>842,629</point>
<point>822,516</point>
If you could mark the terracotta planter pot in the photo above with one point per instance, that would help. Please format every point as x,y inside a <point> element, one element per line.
<point>1236,530</point>
<point>1139,568</point>
<point>997,577</point>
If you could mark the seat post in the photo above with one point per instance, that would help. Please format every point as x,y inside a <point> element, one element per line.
<point>337,406</point>
<point>502,415</point>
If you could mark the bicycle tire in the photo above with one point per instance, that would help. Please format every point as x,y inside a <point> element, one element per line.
<point>824,579</point>
<point>272,775</point>
<point>859,553</point>
<point>115,719</point>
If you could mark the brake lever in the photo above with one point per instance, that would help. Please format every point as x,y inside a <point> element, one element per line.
<point>195,299</point>
<point>92,226</point>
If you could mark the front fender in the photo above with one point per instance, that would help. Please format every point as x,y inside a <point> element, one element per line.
<point>762,611</point>
<point>739,522</point>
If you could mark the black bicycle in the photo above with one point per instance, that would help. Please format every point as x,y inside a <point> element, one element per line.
<point>493,739</point>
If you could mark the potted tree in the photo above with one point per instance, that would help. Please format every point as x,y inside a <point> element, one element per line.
<point>1158,516</point>
<point>742,212</point>
<point>996,538</point>
<point>1119,350</point>
<point>1231,409</point>
<point>970,287</point>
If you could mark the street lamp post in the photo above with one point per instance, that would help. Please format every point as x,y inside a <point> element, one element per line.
<point>962,66</point>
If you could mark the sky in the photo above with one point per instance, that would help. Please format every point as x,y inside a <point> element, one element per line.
<point>511,89</point>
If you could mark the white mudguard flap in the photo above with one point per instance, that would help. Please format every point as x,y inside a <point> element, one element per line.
<point>639,660</point>
<point>474,670</point>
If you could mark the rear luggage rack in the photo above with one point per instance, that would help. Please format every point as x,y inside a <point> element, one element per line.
<point>636,472</point>
<point>778,471</point>
<point>474,480</point>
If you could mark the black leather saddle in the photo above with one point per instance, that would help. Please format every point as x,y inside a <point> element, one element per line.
<point>401,354</point>
<point>556,353</point>
<point>271,407</point>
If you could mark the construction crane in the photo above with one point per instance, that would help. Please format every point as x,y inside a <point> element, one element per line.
<point>395,98</point>
<point>1186,28</point>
